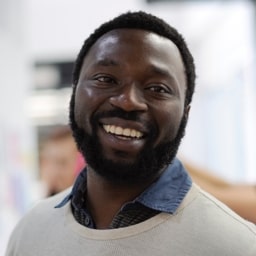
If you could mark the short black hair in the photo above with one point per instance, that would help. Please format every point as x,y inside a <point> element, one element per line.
<point>148,22</point>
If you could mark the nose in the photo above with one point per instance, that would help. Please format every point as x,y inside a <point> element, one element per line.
<point>129,99</point>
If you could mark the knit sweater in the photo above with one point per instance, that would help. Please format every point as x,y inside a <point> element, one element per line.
<point>201,226</point>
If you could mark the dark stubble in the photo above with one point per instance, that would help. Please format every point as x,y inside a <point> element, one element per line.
<point>147,165</point>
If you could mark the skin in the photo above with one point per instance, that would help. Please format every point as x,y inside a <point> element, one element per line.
<point>138,72</point>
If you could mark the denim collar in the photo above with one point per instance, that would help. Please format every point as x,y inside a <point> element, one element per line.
<point>169,190</point>
<point>164,195</point>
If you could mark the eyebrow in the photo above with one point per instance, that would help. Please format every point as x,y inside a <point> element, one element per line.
<point>163,72</point>
<point>160,71</point>
<point>106,62</point>
<point>152,68</point>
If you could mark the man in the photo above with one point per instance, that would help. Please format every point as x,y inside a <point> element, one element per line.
<point>133,83</point>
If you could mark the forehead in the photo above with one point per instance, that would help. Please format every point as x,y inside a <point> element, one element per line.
<point>134,46</point>
<point>138,38</point>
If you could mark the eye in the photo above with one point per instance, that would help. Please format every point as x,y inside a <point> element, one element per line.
<point>160,89</point>
<point>105,79</point>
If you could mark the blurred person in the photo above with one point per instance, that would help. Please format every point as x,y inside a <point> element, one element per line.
<point>133,83</point>
<point>60,161</point>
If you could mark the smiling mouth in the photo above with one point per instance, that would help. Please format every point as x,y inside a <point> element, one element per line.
<point>124,132</point>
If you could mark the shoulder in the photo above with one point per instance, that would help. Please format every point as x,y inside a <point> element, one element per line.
<point>38,223</point>
<point>46,208</point>
<point>209,207</point>
<point>209,226</point>
<point>47,205</point>
<point>213,220</point>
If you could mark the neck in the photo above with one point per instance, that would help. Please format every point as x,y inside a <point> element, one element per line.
<point>105,199</point>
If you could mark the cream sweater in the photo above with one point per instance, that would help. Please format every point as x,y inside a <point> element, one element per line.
<point>202,226</point>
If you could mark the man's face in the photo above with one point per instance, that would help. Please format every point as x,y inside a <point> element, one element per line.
<point>129,104</point>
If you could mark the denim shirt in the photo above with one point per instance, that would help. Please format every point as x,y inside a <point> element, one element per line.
<point>164,195</point>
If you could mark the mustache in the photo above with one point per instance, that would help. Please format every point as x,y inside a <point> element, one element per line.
<point>131,116</point>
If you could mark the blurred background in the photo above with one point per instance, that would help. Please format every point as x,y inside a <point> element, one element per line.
<point>39,41</point>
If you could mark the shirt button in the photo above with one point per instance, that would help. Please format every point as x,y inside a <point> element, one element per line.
<point>87,221</point>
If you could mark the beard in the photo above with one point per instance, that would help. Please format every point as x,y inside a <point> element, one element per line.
<point>148,163</point>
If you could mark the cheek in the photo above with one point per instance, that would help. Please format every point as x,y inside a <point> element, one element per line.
<point>168,120</point>
<point>87,102</point>
<point>83,107</point>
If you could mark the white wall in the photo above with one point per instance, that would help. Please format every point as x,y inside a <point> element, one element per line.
<point>56,28</point>
<point>17,147</point>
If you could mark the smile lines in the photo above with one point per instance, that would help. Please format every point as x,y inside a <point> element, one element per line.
<point>117,130</point>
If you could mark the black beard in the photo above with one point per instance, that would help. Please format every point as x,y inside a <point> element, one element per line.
<point>147,165</point>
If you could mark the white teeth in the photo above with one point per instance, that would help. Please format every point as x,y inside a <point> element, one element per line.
<point>122,131</point>
<point>106,128</point>
<point>112,129</point>
<point>127,132</point>
<point>118,130</point>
